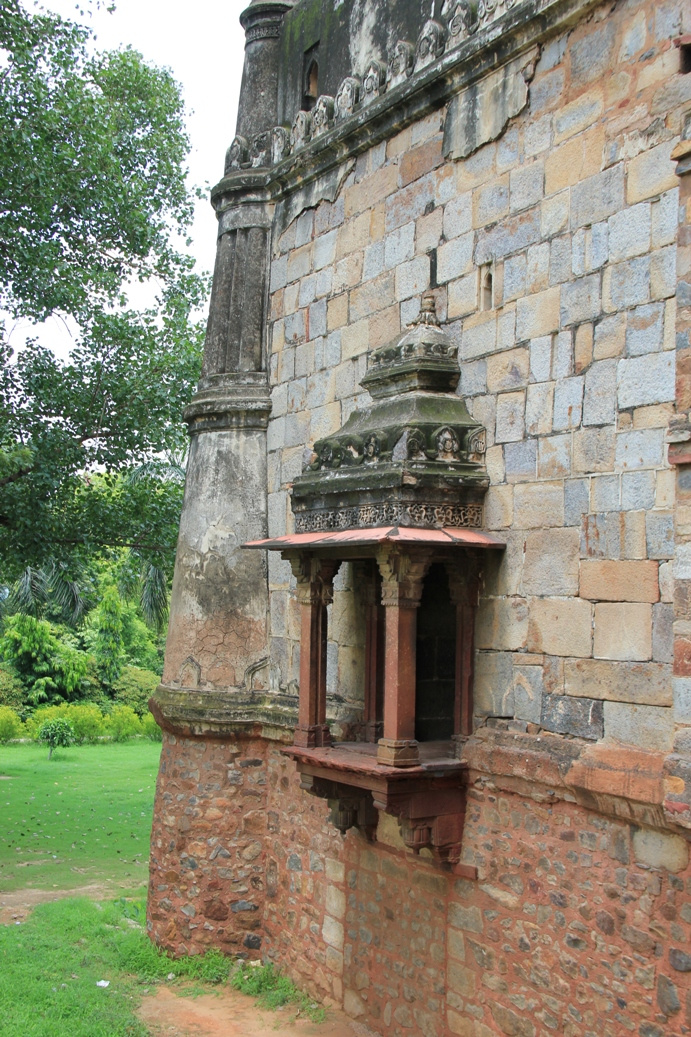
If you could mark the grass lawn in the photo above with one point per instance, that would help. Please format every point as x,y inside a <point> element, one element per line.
<point>83,817</point>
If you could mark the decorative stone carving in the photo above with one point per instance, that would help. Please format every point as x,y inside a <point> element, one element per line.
<point>237,155</point>
<point>347,97</point>
<point>430,45</point>
<point>280,144</point>
<point>371,449</point>
<point>301,132</point>
<point>374,82</point>
<point>463,23</point>
<point>322,115</point>
<point>260,150</point>
<point>448,447</point>
<point>365,516</point>
<point>401,63</point>
<point>477,445</point>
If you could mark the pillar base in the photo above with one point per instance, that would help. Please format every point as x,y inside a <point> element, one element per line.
<point>313,737</point>
<point>395,752</point>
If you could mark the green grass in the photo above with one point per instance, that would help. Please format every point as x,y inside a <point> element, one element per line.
<point>50,966</point>
<point>273,990</point>
<point>83,817</point>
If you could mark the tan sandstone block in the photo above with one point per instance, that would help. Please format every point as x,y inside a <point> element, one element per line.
<point>645,683</point>
<point>353,235</point>
<point>371,191</point>
<point>538,504</point>
<point>623,630</point>
<point>604,580</point>
<point>583,348</point>
<point>337,312</point>
<point>502,624</point>
<point>538,315</point>
<point>508,370</point>
<point>551,562</point>
<point>355,339</point>
<point>650,173</point>
<point>560,626</point>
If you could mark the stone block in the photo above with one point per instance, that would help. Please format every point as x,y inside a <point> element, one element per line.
<point>626,284</point>
<point>332,933</point>
<point>560,627</point>
<point>660,850</point>
<point>474,378</point>
<point>466,917</point>
<point>412,278</point>
<point>599,402</point>
<point>632,581</point>
<point>644,330</point>
<point>493,684</point>
<point>528,691</point>
<point>538,505</point>
<point>665,219</point>
<point>458,216</point>
<point>490,202</point>
<point>640,449</point>
<point>355,339</point>
<point>597,197</point>
<point>623,630</point>
<point>508,370</point>
<point>576,116</point>
<point>605,493</point>
<point>576,501</point>
<point>682,700</point>
<point>651,173</point>
<point>399,246</point>
<point>541,358</point>
<point>520,460</point>
<point>510,235</point>
<point>601,535</point>
<point>562,358</point>
<point>499,507</point>
<point>462,296</point>
<point>510,417</point>
<point>637,490</point>
<point>660,534</point>
<point>582,718</point>
<point>646,380</point>
<point>538,409</point>
<point>663,633</point>
<point>554,456</point>
<point>663,273</point>
<point>537,269</point>
<point>502,624</point>
<point>479,335</point>
<point>554,214</point>
<point>647,727</point>
<point>643,683</point>
<point>593,54</point>
<point>337,312</point>
<point>325,249</point>
<point>610,337</point>
<point>629,232</point>
<point>551,562</point>
<point>583,348</point>
<point>455,258</point>
<point>538,314</point>
<point>560,260</point>
<point>568,403</point>
<point>514,277</point>
<point>527,185</point>
<point>580,300</point>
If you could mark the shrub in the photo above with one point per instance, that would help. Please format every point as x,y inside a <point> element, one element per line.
<point>87,721</point>
<point>56,733</point>
<point>11,688</point>
<point>11,725</point>
<point>134,687</point>
<point>123,723</point>
<point>150,728</point>
<point>40,716</point>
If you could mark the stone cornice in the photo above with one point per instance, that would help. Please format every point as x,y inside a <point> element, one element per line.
<point>228,401</point>
<point>513,34</point>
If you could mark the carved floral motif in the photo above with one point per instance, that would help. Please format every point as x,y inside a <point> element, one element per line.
<point>374,82</point>
<point>322,115</point>
<point>366,516</point>
<point>280,144</point>
<point>430,45</point>
<point>463,23</point>
<point>401,63</point>
<point>260,150</point>
<point>301,131</point>
<point>237,155</point>
<point>347,97</point>
<point>447,444</point>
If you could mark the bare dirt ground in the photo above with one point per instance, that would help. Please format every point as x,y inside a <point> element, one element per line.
<point>170,1012</point>
<point>231,1014</point>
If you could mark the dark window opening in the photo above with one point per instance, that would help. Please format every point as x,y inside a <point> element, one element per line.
<point>435,670</point>
<point>486,287</point>
<point>685,58</point>
<point>310,79</point>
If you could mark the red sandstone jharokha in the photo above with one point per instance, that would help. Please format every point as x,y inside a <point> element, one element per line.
<point>427,692</point>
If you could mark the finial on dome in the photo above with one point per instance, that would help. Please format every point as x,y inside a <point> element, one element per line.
<point>428,310</point>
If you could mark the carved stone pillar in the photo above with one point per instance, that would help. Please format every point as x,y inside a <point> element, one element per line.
<point>402,576</point>
<point>219,606</point>
<point>315,592</point>
<point>464,587</point>
<point>368,582</point>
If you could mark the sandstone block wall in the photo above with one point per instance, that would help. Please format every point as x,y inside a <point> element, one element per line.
<point>570,365</point>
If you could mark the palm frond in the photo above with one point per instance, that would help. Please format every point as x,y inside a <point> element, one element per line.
<point>30,592</point>
<point>66,593</point>
<point>154,596</point>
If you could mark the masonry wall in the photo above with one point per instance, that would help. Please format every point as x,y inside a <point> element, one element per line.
<point>571,370</point>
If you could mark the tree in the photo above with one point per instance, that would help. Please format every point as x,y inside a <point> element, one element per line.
<point>92,199</point>
<point>56,733</point>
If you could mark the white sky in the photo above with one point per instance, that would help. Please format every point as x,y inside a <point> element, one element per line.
<point>203,43</point>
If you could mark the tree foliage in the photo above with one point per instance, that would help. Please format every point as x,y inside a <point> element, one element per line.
<point>56,733</point>
<point>92,199</point>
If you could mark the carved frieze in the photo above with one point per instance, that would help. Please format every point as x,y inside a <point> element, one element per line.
<point>280,144</point>
<point>260,150</point>
<point>373,82</point>
<point>464,22</point>
<point>322,115</point>
<point>238,154</point>
<point>430,45</point>
<point>301,132</point>
<point>347,97</point>
<point>401,63</point>
<point>391,513</point>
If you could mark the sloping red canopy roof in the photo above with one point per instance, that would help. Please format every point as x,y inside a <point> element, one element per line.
<point>447,537</point>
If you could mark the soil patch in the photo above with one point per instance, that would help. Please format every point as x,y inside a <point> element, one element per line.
<point>15,906</point>
<point>232,1014</point>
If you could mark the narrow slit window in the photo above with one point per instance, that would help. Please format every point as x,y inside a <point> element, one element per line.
<point>310,90</point>
<point>486,287</point>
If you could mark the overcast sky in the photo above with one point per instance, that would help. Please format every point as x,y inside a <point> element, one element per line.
<point>203,43</point>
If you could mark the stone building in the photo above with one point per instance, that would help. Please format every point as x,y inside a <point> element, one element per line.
<point>427,740</point>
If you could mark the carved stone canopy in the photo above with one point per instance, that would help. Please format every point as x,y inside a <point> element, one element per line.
<point>414,457</point>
